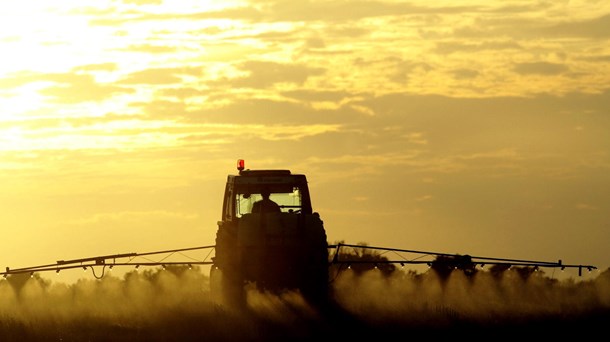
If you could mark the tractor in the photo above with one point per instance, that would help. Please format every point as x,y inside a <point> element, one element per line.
<point>269,238</point>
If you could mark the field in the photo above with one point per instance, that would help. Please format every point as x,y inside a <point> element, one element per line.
<point>175,305</point>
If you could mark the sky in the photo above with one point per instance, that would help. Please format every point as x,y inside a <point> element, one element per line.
<point>469,127</point>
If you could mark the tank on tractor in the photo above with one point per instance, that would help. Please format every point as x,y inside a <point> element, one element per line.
<point>268,247</point>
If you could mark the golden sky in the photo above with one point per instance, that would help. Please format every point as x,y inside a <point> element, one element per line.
<point>478,127</point>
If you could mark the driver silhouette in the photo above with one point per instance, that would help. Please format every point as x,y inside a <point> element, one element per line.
<point>265,205</point>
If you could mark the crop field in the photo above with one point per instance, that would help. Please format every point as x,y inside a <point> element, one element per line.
<point>176,305</point>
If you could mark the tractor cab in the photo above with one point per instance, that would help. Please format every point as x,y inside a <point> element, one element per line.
<point>289,191</point>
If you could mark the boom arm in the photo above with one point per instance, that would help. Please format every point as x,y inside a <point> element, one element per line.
<point>425,257</point>
<point>127,259</point>
<point>458,260</point>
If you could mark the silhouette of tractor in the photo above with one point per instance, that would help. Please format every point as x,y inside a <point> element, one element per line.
<point>279,246</point>
<point>270,239</point>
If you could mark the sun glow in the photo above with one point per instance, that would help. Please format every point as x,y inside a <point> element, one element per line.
<point>17,104</point>
<point>35,37</point>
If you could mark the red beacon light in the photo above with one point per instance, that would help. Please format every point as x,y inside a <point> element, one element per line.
<point>241,164</point>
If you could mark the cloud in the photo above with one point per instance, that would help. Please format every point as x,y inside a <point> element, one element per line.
<point>541,68</point>
<point>470,47</point>
<point>105,67</point>
<point>142,2</point>
<point>596,27</point>
<point>262,74</point>
<point>152,49</point>
<point>66,88</point>
<point>285,11</point>
<point>156,76</point>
